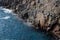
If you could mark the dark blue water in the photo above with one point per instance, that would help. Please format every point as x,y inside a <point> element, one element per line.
<point>14,29</point>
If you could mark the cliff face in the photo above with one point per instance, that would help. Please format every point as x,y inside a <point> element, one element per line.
<point>44,14</point>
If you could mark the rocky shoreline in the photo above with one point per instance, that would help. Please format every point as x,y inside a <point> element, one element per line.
<point>42,14</point>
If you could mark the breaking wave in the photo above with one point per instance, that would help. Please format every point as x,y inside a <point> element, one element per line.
<point>5,10</point>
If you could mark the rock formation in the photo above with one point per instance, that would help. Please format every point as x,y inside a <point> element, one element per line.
<point>44,14</point>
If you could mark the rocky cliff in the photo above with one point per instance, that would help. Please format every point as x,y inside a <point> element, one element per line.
<point>43,14</point>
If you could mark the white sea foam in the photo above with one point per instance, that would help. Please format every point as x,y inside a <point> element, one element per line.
<point>5,10</point>
<point>28,24</point>
<point>6,17</point>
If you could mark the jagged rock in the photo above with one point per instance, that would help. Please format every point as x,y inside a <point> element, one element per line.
<point>56,31</point>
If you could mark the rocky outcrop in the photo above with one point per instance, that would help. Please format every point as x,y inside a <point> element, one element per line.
<point>43,14</point>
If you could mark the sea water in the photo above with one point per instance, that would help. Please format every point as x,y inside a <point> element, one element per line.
<point>13,29</point>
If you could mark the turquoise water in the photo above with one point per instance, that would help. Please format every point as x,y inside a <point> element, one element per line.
<point>13,29</point>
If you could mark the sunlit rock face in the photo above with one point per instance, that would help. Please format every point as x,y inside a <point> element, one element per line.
<point>44,14</point>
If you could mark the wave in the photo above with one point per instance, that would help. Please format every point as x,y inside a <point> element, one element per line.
<point>6,10</point>
<point>6,17</point>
